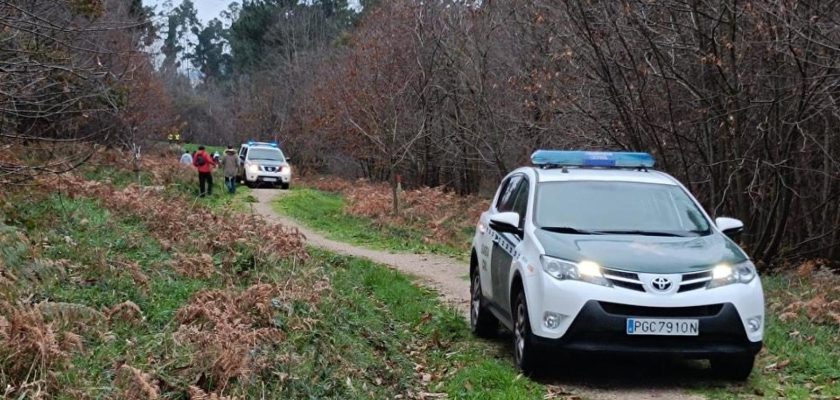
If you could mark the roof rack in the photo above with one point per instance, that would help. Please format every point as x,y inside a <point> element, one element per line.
<point>547,159</point>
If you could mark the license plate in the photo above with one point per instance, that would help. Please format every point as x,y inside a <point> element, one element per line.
<point>663,327</point>
<point>270,179</point>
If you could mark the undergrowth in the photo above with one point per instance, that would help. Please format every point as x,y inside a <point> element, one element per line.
<point>113,290</point>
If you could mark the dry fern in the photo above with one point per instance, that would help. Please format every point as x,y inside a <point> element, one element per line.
<point>70,314</point>
<point>135,384</point>
<point>126,311</point>
<point>197,394</point>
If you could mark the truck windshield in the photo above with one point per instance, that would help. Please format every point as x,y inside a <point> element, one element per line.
<point>265,155</point>
<point>630,208</point>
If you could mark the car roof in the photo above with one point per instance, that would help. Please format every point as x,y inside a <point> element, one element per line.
<point>603,174</point>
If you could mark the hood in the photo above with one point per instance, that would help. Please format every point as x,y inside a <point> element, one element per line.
<point>645,254</point>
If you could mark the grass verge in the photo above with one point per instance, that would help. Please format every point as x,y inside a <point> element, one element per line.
<point>325,213</point>
<point>126,322</point>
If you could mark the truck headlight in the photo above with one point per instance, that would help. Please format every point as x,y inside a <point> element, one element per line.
<point>586,271</point>
<point>724,274</point>
<point>253,168</point>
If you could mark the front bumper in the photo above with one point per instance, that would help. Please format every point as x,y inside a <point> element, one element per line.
<point>569,298</point>
<point>601,327</point>
<point>270,177</point>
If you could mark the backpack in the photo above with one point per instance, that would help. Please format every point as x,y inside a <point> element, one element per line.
<point>200,161</point>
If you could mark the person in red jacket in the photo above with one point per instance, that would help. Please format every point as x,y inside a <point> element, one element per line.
<point>204,163</point>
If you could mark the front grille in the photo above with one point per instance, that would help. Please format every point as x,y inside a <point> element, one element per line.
<point>676,312</point>
<point>270,169</point>
<point>695,280</point>
<point>627,280</point>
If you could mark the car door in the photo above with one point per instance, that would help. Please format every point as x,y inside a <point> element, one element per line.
<point>243,152</point>
<point>485,238</point>
<point>504,244</point>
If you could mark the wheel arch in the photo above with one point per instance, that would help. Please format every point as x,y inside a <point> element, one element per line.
<point>474,267</point>
<point>516,286</point>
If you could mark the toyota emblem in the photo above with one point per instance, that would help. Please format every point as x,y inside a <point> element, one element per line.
<point>661,284</point>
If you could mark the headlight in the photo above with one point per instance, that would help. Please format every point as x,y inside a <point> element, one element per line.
<point>724,274</point>
<point>586,271</point>
<point>253,168</point>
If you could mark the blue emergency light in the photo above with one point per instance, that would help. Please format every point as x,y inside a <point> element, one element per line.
<point>562,158</point>
<point>254,143</point>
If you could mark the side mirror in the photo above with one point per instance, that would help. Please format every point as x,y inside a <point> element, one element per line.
<point>729,226</point>
<point>507,222</point>
<point>288,158</point>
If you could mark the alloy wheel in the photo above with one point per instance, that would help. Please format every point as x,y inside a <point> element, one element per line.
<point>475,300</point>
<point>519,333</point>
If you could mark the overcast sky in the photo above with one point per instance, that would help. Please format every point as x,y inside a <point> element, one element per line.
<point>208,9</point>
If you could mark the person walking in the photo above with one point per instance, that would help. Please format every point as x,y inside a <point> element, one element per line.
<point>204,164</point>
<point>186,158</point>
<point>230,167</point>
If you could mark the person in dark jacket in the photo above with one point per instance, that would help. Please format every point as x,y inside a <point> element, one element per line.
<point>204,164</point>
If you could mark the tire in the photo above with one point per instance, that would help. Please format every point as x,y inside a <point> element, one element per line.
<point>284,186</point>
<point>526,355</point>
<point>482,322</point>
<point>736,368</point>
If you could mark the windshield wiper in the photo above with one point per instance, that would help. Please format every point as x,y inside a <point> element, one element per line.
<point>644,233</point>
<point>568,229</point>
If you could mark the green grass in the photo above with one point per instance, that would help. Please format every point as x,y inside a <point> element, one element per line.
<point>95,241</point>
<point>811,352</point>
<point>371,316</point>
<point>324,212</point>
<point>118,177</point>
<point>362,340</point>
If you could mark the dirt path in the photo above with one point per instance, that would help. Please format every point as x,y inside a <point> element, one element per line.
<point>444,274</point>
<point>602,379</point>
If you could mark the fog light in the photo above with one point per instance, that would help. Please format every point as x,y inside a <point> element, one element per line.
<point>552,320</point>
<point>754,323</point>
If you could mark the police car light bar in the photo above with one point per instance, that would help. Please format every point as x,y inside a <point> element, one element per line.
<point>561,158</point>
<point>253,143</point>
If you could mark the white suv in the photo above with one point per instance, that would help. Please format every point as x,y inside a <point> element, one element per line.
<point>264,162</point>
<point>597,252</point>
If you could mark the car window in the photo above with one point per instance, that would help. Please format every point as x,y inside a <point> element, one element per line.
<point>508,194</point>
<point>619,207</point>
<point>520,204</point>
<point>258,154</point>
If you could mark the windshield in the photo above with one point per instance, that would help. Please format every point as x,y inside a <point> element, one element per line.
<point>265,155</point>
<point>618,208</point>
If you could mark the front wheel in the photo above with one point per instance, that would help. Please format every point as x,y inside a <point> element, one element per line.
<point>482,322</point>
<point>737,368</point>
<point>525,353</point>
<point>284,186</point>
